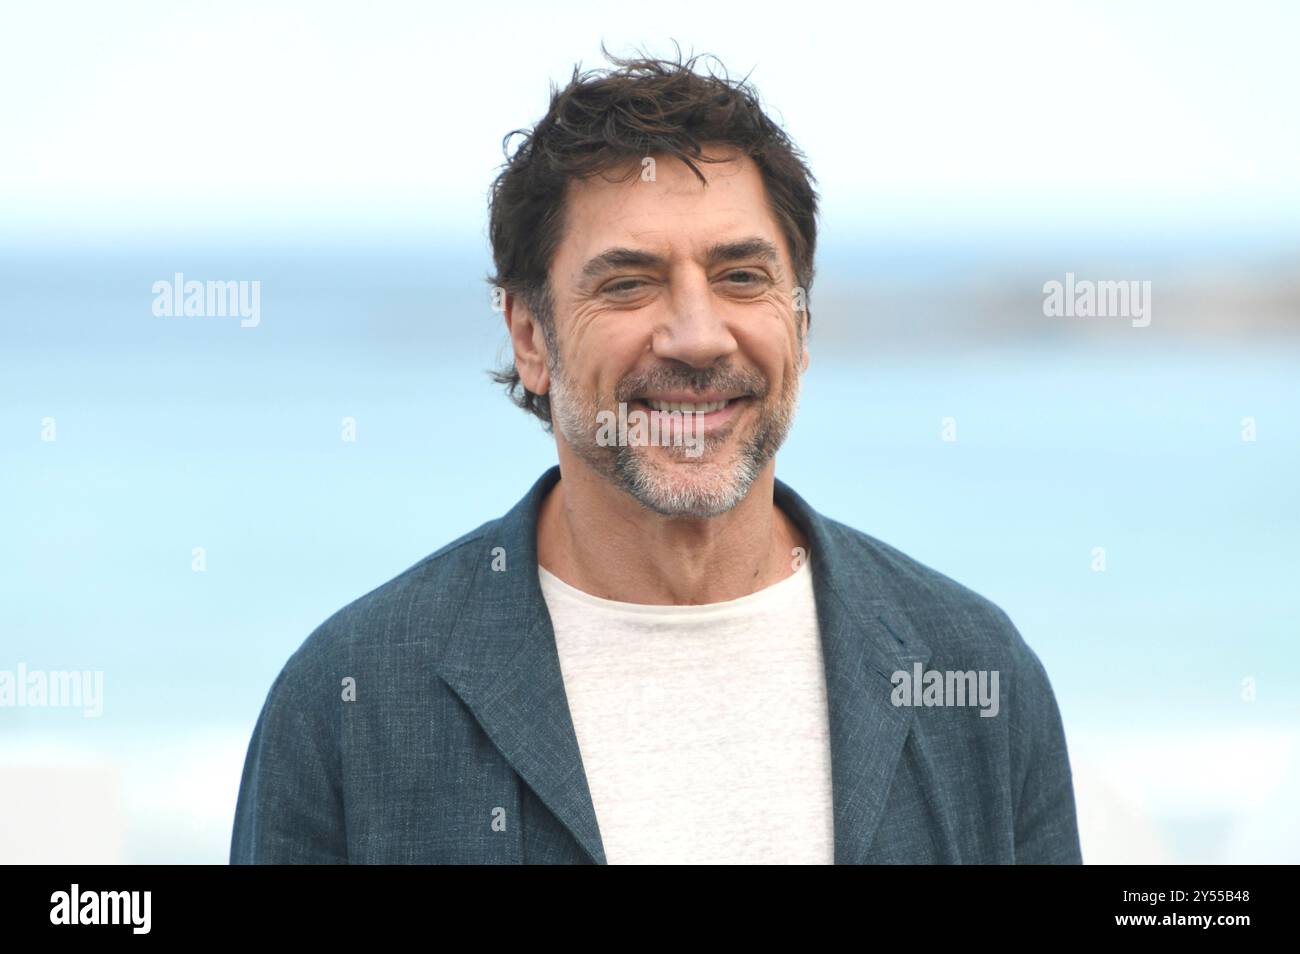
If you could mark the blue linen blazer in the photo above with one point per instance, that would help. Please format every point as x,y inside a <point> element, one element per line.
<point>457,745</point>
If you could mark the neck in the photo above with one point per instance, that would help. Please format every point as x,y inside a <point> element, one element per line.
<point>597,537</point>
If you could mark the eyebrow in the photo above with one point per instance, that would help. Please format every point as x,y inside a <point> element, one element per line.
<point>613,259</point>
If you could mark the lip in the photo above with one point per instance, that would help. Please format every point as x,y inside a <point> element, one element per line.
<point>691,397</point>
<point>710,422</point>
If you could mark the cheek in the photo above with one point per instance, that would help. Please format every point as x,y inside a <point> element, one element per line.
<point>773,352</point>
<point>610,357</point>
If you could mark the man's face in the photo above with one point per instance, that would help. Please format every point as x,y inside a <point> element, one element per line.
<point>668,293</point>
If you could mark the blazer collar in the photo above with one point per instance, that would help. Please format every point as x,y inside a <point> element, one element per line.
<point>502,662</point>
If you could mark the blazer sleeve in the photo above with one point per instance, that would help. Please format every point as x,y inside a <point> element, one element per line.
<point>290,807</point>
<point>1046,824</point>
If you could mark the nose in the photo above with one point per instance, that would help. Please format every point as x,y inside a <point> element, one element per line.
<point>695,331</point>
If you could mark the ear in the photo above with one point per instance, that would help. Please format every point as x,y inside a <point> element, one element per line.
<point>529,343</point>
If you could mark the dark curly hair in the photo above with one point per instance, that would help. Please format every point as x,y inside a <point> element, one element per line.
<point>604,118</point>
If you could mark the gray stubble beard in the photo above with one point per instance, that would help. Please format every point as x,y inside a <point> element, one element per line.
<point>631,468</point>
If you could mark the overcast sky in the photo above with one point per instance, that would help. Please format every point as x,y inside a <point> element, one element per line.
<point>381,114</point>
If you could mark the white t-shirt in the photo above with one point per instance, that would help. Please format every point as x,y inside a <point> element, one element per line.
<point>703,729</point>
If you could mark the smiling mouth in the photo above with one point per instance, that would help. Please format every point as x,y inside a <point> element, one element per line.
<point>687,407</point>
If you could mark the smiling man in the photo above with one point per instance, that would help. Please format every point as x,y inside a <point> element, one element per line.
<point>661,653</point>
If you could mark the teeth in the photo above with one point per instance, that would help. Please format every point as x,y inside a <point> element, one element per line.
<point>688,407</point>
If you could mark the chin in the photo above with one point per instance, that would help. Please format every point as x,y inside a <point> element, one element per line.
<point>682,487</point>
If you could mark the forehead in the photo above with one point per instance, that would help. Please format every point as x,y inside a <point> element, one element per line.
<point>674,213</point>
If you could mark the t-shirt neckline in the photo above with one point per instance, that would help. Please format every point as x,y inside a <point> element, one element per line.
<point>775,591</point>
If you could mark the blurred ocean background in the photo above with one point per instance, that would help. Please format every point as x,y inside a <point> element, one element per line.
<point>961,168</point>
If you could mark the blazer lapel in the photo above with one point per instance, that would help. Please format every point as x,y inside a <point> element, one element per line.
<point>502,663</point>
<point>865,640</point>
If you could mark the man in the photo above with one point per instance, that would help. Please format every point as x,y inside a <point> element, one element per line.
<point>661,653</point>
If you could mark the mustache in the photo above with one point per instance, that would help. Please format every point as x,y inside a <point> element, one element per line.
<point>699,380</point>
